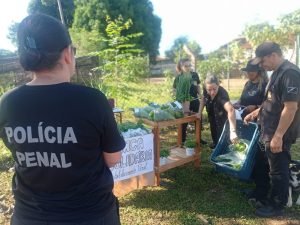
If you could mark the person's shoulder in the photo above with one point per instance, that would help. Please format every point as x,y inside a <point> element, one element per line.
<point>85,89</point>
<point>222,89</point>
<point>13,92</point>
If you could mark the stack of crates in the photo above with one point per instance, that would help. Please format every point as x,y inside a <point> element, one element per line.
<point>249,132</point>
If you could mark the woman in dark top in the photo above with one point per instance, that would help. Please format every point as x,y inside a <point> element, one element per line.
<point>251,99</point>
<point>219,109</point>
<point>63,137</point>
<point>187,90</point>
<point>254,89</point>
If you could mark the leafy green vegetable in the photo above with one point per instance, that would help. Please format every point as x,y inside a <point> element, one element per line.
<point>123,127</point>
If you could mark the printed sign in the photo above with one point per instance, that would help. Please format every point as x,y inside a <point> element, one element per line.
<point>137,158</point>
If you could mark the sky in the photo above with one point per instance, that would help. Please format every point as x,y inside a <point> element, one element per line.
<point>211,23</point>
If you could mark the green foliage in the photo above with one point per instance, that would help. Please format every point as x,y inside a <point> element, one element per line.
<point>91,15</point>
<point>183,88</point>
<point>121,61</point>
<point>190,143</point>
<point>86,41</point>
<point>258,33</point>
<point>164,152</point>
<point>50,7</point>
<point>290,23</point>
<point>6,53</point>
<point>12,33</point>
<point>214,65</point>
<point>176,52</point>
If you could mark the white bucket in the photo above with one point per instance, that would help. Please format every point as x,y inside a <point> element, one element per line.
<point>189,151</point>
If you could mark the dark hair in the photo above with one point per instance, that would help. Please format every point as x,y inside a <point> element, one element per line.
<point>212,79</point>
<point>180,64</point>
<point>41,39</point>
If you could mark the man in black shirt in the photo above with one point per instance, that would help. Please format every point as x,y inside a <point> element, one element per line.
<point>279,117</point>
<point>63,137</point>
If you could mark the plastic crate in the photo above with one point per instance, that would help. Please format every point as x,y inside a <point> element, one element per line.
<point>249,132</point>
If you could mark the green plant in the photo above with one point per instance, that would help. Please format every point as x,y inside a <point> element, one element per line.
<point>190,143</point>
<point>164,152</point>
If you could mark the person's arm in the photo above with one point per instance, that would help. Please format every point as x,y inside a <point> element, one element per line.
<point>112,159</point>
<point>286,118</point>
<point>232,121</point>
<point>251,116</point>
<point>251,108</point>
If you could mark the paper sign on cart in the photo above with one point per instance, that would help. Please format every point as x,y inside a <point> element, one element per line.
<point>137,158</point>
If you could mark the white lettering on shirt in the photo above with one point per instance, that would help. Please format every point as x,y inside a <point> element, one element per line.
<point>47,134</point>
<point>42,159</point>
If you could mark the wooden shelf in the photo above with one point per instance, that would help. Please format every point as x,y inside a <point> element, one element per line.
<point>177,156</point>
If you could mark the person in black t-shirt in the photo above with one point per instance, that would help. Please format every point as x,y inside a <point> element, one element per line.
<point>219,109</point>
<point>187,91</point>
<point>251,99</point>
<point>63,137</point>
<point>254,89</point>
<point>279,117</point>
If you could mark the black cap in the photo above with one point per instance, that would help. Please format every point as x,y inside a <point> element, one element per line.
<point>265,49</point>
<point>251,67</point>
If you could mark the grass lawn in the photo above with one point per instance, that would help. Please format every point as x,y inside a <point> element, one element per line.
<point>187,195</point>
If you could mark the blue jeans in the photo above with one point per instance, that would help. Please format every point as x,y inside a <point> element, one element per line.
<point>112,218</point>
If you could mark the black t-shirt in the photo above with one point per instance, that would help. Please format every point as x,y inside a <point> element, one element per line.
<point>252,94</point>
<point>215,107</point>
<point>283,87</point>
<point>57,135</point>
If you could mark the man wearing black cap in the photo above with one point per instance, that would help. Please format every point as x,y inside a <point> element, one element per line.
<point>279,117</point>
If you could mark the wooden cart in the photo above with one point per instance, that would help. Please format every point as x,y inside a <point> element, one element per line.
<point>177,156</point>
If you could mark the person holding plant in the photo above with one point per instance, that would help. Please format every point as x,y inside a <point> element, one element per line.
<point>63,137</point>
<point>254,89</point>
<point>187,91</point>
<point>219,109</point>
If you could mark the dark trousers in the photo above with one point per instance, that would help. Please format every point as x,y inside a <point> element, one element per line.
<point>279,175</point>
<point>215,130</point>
<point>111,218</point>
<point>260,174</point>
<point>271,175</point>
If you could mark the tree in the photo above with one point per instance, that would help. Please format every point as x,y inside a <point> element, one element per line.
<point>50,7</point>
<point>177,51</point>
<point>12,33</point>
<point>290,23</point>
<point>6,53</point>
<point>120,61</point>
<point>258,33</point>
<point>91,15</point>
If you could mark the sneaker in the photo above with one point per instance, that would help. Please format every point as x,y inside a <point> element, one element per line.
<point>269,211</point>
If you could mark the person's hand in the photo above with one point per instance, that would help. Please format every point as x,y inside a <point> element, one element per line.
<point>233,137</point>
<point>248,118</point>
<point>276,144</point>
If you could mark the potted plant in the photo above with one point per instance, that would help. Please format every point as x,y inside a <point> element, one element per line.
<point>190,146</point>
<point>164,153</point>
